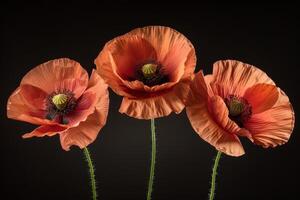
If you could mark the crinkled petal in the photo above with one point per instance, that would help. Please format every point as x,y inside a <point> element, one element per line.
<point>27,103</point>
<point>58,74</point>
<point>107,69</point>
<point>87,131</point>
<point>206,127</point>
<point>198,89</point>
<point>208,116</point>
<point>174,51</point>
<point>261,97</point>
<point>274,126</point>
<point>231,77</point>
<point>129,53</point>
<point>172,100</point>
<point>118,61</point>
<point>86,103</point>
<point>45,130</point>
<point>140,89</point>
<point>220,114</point>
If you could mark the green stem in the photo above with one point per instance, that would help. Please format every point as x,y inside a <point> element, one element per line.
<point>153,155</point>
<point>213,176</point>
<point>92,171</point>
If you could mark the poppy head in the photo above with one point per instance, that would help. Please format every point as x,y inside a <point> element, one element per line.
<point>58,96</point>
<point>238,99</point>
<point>151,68</point>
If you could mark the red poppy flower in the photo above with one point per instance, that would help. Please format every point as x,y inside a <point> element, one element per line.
<point>58,96</point>
<point>151,68</point>
<point>239,100</point>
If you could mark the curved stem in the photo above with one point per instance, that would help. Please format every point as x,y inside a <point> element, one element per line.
<point>92,171</point>
<point>153,155</point>
<point>213,176</point>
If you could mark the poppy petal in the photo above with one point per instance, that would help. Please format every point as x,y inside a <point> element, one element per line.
<point>140,90</point>
<point>45,130</point>
<point>34,96</point>
<point>157,106</point>
<point>87,131</point>
<point>174,51</point>
<point>86,103</point>
<point>76,86</point>
<point>84,107</point>
<point>129,53</point>
<point>107,69</point>
<point>205,126</point>
<point>118,70</point>
<point>231,77</point>
<point>274,126</point>
<point>261,97</point>
<point>220,113</point>
<point>58,74</point>
<point>27,103</point>
<point>118,61</point>
<point>198,90</point>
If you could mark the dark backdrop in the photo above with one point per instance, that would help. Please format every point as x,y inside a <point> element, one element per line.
<point>32,33</point>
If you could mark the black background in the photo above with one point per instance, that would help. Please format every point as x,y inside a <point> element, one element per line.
<point>266,36</point>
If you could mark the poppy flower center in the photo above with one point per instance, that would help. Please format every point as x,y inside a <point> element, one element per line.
<point>60,101</point>
<point>59,104</point>
<point>149,70</point>
<point>151,74</point>
<point>239,109</point>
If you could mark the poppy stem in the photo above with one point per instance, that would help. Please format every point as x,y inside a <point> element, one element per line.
<point>213,176</point>
<point>92,171</point>
<point>153,155</point>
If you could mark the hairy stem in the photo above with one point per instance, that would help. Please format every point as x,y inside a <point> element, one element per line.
<point>153,155</point>
<point>92,172</point>
<point>213,176</point>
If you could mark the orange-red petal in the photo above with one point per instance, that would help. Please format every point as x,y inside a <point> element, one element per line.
<point>58,74</point>
<point>86,103</point>
<point>172,100</point>
<point>27,103</point>
<point>206,127</point>
<point>87,131</point>
<point>140,89</point>
<point>129,53</point>
<point>84,107</point>
<point>198,90</point>
<point>208,116</point>
<point>220,114</point>
<point>274,126</point>
<point>174,51</point>
<point>231,77</point>
<point>261,97</point>
<point>34,96</point>
<point>107,69</point>
<point>118,60</point>
<point>45,130</point>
